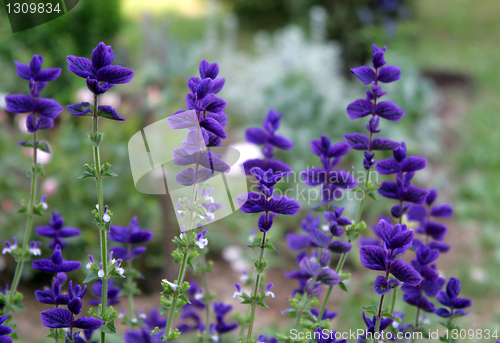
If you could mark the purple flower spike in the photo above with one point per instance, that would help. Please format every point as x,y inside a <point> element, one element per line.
<point>56,231</point>
<point>132,234</point>
<point>449,298</point>
<point>35,72</point>
<point>5,330</point>
<point>382,286</point>
<point>56,264</point>
<point>100,68</point>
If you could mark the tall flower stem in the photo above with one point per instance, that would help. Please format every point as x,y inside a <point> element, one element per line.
<point>29,221</point>
<point>100,203</point>
<point>395,290</point>
<point>381,303</point>
<point>182,270</point>
<point>256,288</point>
<point>343,257</point>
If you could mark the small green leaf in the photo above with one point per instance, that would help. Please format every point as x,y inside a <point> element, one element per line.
<point>92,276</point>
<point>343,287</point>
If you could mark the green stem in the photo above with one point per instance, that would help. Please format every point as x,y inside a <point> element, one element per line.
<point>100,202</point>
<point>343,258</point>
<point>394,295</point>
<point>243,326</point>
<point>171,313</point>
<point>379,315</point>
<point>182,270</point>
<point>256,288</point>
<point>29,222</point>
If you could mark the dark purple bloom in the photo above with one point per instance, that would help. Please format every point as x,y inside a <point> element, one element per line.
<point>56,264</point>
<point>268,138</point>
<point>132,234</point>
<point>370,106</point>
<point>56,231</point>
<point>100,68</point>
<point>265,339</point>
<point>221,326</point>
<point>42,111</point>
<point>267,202</point>
<point>5,330</point>
<point>113,293</point>
<point>327,336</point>
<point>326,314</point>
<point>206,119</point>
<point>383,286</point>
<point>35,72</point>
<point>450,299</point>
<point>430,227</point>
<point>332,181</point>
<point>370,323</point>
<point>59,318</point>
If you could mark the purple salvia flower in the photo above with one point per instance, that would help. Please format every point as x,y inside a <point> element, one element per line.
<point>42,111</point>
<point>370,106</point>
<point>265,339</point>
<point>269,140</point>
<point>332,181</point>
<point>130,235</point>
<point>327,336</point>
<point>238,292</point>
<point>396,240</point>
<point>113,293</point>
<point>56,264</point>
<point>450,299</point>
<point>56,231</point>
<point>9,247</point>
<point>221,310</point>
<point>5,330</point>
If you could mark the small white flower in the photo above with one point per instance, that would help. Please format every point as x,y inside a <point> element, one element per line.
<point>172,285</point>
<point>120,270</point>
<point>44,205</point>
<point>202,243</point>
<point>238,292</point>
<point>142,315</point>
<point>121,315</point>
<point>325,227</point>
<point>97,206</point>
<point>100,273</point>
<point>210,215</point>
<point>180,212</point>
<point>211,199</point>
<point>35,251</point>
<point>181,236</point>
<point>251,238</point>
<point>268,290</point>
<point>134,320</point>
<point>89,265</point>
<point>198,296</point>
<point>106,218</point>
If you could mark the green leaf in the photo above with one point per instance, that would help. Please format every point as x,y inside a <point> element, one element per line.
<point>371,309</point>
<point>269,246</point>
<point>92,276</point>
<point>343,287</point>
<point>109,327</point>
<point>43,146</point>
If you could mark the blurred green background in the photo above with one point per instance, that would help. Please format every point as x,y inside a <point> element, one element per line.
<point>291,55</point>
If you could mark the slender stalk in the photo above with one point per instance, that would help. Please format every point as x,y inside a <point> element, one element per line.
<point>29,221</point>
<point>182,270</point>
<point>256,288</point>
<point>171,313</point>
<point>343,257</point>
<point>100,202</point>
<point>243,326</point>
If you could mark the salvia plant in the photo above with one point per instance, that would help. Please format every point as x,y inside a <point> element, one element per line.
<point>411,225</point>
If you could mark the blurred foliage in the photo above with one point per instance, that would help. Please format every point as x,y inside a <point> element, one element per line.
<point>75,33</point>
<point>352,23</point>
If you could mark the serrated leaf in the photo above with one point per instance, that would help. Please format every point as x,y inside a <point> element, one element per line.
<point>109,327</point>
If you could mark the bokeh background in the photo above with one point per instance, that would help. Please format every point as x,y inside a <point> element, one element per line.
<point>290,55</point>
